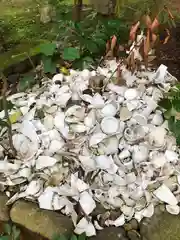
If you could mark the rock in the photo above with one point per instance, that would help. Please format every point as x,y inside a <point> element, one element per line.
<point>43,222</point>
<point>134,224</point>
<point>4,210</point>
<point>112,233</point>
<point>131,225</point>
<point>133,235</point>
<point>161,226</point>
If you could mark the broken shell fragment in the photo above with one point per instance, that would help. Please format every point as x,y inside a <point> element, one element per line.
<point>85,226</point>
<point>165,195</point>
<point>44,162</point>
<point>109,125</point>
<point>173,209</point>
<point>87,203</point>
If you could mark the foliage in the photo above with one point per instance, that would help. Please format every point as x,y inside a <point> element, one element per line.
<point>10,106</point>
<point>72,237</point>
<point>170,105</point>
<point>10,232</point>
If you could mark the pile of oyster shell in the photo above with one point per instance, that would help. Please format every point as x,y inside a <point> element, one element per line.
<point>79,147</point>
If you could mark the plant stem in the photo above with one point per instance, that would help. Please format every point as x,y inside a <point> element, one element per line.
<point>4,90</point>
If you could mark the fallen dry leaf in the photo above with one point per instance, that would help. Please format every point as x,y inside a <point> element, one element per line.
<point>155,24</point>
<point>133,31</point>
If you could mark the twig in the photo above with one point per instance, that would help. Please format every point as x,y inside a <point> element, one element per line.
<point>9,127</point>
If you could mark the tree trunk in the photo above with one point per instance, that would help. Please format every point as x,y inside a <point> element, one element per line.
<point>77,10</point>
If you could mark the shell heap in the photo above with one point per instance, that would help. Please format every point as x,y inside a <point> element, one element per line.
<point>75,148</point>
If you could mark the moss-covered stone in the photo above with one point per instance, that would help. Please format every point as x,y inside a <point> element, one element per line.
<point>44,222</point>
<point>162,226</point>
<point>110,233</point>
<point>4,209</point>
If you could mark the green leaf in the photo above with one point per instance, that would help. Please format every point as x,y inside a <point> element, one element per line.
<point>10,105</point>
<point>73,237</point>
<point>7,228</point>
<point>5,238</point>
<point>71,54</point>
<point>26,82</point>
<point>169,113</point>
<point>16,232</point>
<point>48,49</point>
<point>165,103</point>
<point>82,236</point>
<point>57,237</point>
<point>171,124</point>
<point>176,104</point>
<point>3,123</point>
<point>91,46</point>
<point>49,65</point>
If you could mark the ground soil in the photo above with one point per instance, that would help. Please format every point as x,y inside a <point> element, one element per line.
<point>169,54</point>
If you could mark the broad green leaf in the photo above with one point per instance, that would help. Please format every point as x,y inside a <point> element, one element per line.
<point>3,123</point>
<point>48,49</point>
<point>26,82</point>
<point>165,103</point>
<point>49,65</point>
<point>176,104</point>
<point>100,42</point>
<point>91,46</point>
<point>7,228</point>
<point>71,54</point>
<point>73,237</point>
<point>10,105</point>
<point>82,236</point>
<point>87,61</point>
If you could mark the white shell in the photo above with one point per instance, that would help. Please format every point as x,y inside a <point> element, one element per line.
<point>149,211</point>
<point>131,94</point>
<point>85,226</point>
<point>165,195</point>
<point>45,199</point>
<point>171,156</point>
<point>118,222</point>
<point>96,138</point>
<point>160,74</point>
<point>109,110</point>
<point>87,203</point>
<point>173,209</point>
<point>45,161</point>
<point>157,119</point>
<point>78,128</point>
<point>57,77</point>
<point>109,145</point>
<point>124,154</point>
<point>90,119</point>
<point>125,114</point>
<point>109,125</point>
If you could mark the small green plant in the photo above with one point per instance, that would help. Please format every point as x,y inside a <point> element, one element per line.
<point>170,105</point>
<point>72,237</point>
<point>11,232</point>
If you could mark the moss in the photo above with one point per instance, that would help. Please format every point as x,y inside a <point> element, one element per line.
<point>18,54</point>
